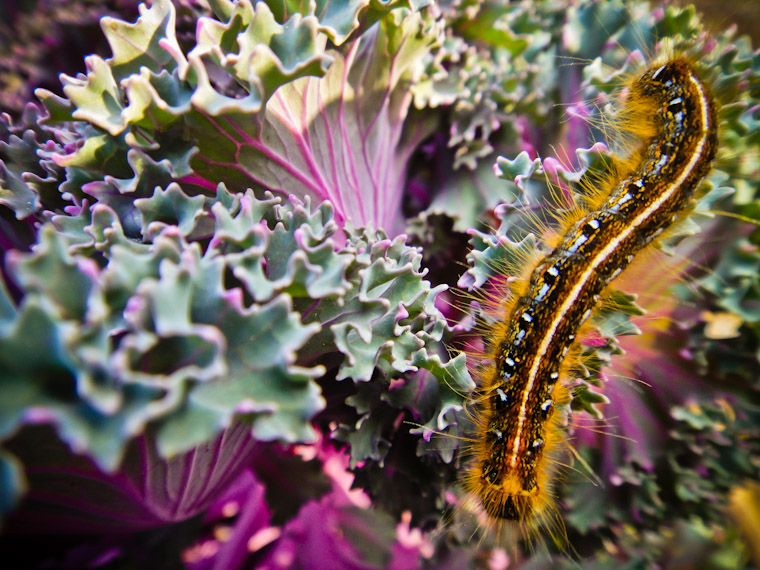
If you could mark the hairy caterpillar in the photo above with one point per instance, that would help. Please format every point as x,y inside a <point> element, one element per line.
<point>518,425</point>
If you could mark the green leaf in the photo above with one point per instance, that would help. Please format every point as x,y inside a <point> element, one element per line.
<point>97,97</point>
<point>150,42</point>
<point>169,207</point>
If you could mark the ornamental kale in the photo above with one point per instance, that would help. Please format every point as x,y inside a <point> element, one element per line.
<point>228,330</point>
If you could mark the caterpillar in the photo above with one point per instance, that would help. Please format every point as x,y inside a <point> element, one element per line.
<point>518,425</point>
